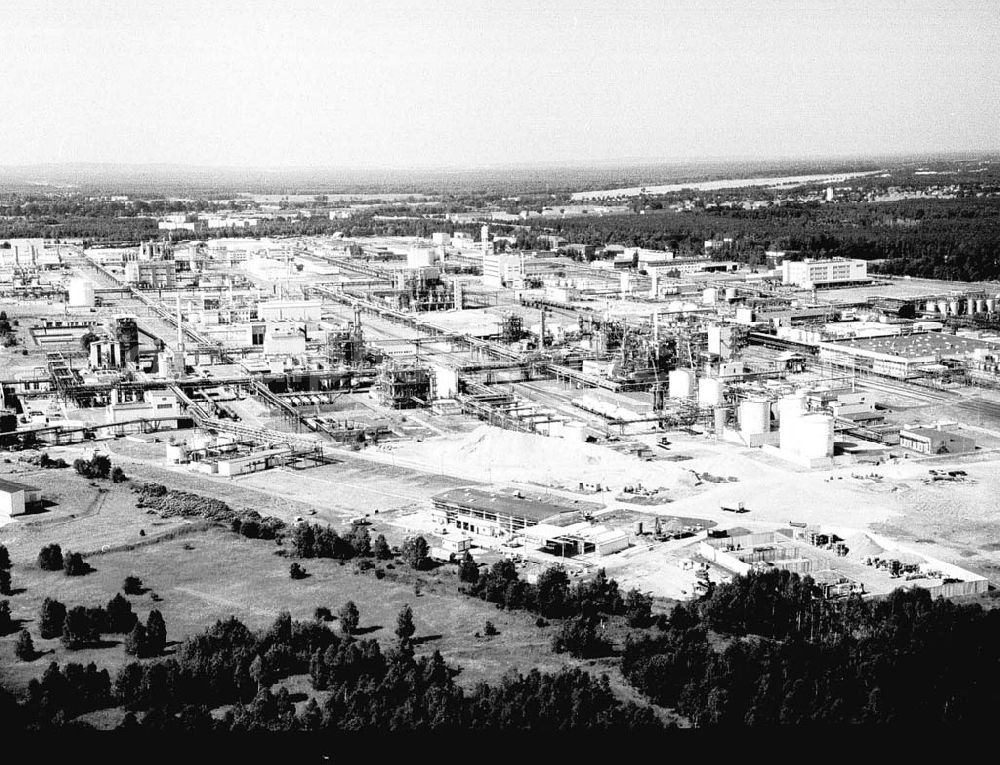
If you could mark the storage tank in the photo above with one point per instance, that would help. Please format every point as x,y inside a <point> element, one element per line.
<point>788,433</point>
<point>930,306</point>
<point>176,453</point>
<point>953,306</point>
<point>980,305</point>
<point>710,296</point>
<point>789,406</point>
<point>815,436</point>
<point>721,414</point>
<point>970,306</point>
<point>81,293</point>
<point>991,305</point>
<point>755,416</point>
<point>730,294</point>
<point>681,383</point>
<point>709,391</point>
<point>574,431</point>
<point>626,283</point>
<point>555,429</point>
<point>943,307</point>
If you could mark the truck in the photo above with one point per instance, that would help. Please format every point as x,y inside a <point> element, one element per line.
<point>740,508</point>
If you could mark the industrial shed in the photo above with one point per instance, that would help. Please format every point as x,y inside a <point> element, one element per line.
<point>490,513</point>
<point>17,498</point>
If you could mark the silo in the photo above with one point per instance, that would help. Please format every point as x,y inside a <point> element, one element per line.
<point>176,453</point>
<point>953,307</point>
<point>930,306</point>
<point>709,296</point>
<point>730,294</point>
<point>788,433</point>
<point>574,431</point>
<point>991,305</point>
<point>980,305</point>
<point>709,391</point>
<point>943,307</point>
<point>681,383</point>
<point>81,293</point>
<point>815,433</point>
<point>970,306</point>
<point>755,416</point>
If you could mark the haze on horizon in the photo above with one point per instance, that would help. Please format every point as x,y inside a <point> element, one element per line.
<point>407,84</point>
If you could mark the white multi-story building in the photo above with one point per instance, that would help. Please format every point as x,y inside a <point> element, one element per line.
<point>821,273</point>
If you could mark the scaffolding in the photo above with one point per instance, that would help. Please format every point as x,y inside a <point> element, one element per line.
<point>404,386</point>
<point>511,328</point>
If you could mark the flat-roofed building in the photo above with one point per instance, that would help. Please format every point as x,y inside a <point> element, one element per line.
<point>823,273</point>
<point>492,513</point>
<point>935,441</point>
<point>17,498</point>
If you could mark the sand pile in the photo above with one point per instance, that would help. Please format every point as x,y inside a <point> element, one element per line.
<point>507,455</point>
<point>863,546</point>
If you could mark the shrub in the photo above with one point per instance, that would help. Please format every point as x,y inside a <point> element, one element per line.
<point>24,649</point>
<point>50,558</point>
<point>50,618</point>
<point>74,564</point>
<point>322,614</point>
<point>5,582</point>
<point>118,475</point>
<point>295,571</point>
<point>4,558</point>
<point>490,630</point>
<point>132,585</point>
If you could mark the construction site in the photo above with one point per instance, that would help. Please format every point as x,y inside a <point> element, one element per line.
<point>576,411</point>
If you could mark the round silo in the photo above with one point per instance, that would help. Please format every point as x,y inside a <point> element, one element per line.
<point>788,433</point>
<point>721,414</point>
<point>930,306</point>
<point>943,307</point>
<point>815,436</point>
<point>790,406</point>
<point>730,294</point>
<point>970,306</point>
<point>709,391</point>
<point>991,305</point>
<point>681,383</point>
<point>953,307</point>
<point>709,296</point>
<point>574,431</point>
<point>980,305</point>
<point>755,416</point>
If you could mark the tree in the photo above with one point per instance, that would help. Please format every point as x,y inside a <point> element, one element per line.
<point>5,582</point>
<point>50,558</point>
<point>24,649</point>
<point>404,623</point>
<point>552,591</point>
<point>51,617</point>
<point>295,571</point>
<point>132,585</point>
<point>121,618</point>
<point>468,571</point>
<point>6,624</point>
<point>259,673</point>
<point>117,475</point>
<point>381,548</point>
<point>350,618</point>
<point>638,608</point>
<point>415,553</point>
<point>322,614</point>
<point>79,628</point>
<point>156,633</point>
<point>4,558</point>
<point>490,629</point>
<point>136,642</point>
<point>74,564</point>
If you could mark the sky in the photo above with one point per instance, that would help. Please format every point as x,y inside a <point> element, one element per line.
<point>471,83</point>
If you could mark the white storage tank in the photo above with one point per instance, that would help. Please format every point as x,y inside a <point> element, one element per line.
<point>681,383</point>
<point>755,416</point>
<point>81,293</point>
<point>788,434</point>
<point>953,306</point>
<point>980,305</point>
<point>710,296</point>
<point>790,406</point>
<point>730,294</point>
<point>970,306</point>
<point>943,307</point>
<point>709,391</point>
<point>815,436</point>
<point>991,305</point>
<point>574,431</point>
<point>721,414</point>
<point>930,306</point>
<point>176,453</point>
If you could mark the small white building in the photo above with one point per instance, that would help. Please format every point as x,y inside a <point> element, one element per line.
<point>16,498</point>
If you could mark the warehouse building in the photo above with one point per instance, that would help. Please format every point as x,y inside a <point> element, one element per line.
<point>490,513</point>
<point>935,441</point>
<point>17,498</point>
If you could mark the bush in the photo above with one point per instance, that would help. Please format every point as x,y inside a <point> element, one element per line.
<point>98,466</point>
<point>381,548</point>
<point>80,628</point>
<point>323,614</point>
<point>118,475</point>
<point>350,618</point>
<point>415,552</point>
<point>75,565</point>
<point>4,558</point>
<point>132,585</point>
<point>50,558</point>
<point>489,629</point>
<point>468,571</point>
<point>295,571</point>
<point>5,582</point>
<point>6,623</point>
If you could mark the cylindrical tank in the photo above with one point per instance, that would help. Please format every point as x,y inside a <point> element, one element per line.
<point>709,391</point>
<point>730,294</point>
<point>953,307</point>
<point>790,406</point>
<point>815,436</point>
<point>710,296</point>
<point>681,383</point>
<point>81,293</point>
<point>930,306</point>
<point>638,527</point>
<point>991,305</point>
<point>176,453</point>
<point>980,305</point>
<point>626,283</point>
<point>755,416</point>
<point>970,306</point>
<point>555,429</point>
<point>943,307</point>
<point>719,419</point>
<point>574,431</point>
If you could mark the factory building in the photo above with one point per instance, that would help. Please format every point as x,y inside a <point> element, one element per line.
<point>824,273</point>
<point>904,356</point>
<point>156,274</point>
<point>935,441</point>
<point>491,514</point>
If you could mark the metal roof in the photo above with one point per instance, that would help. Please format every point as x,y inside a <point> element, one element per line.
<point>11,487</point>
